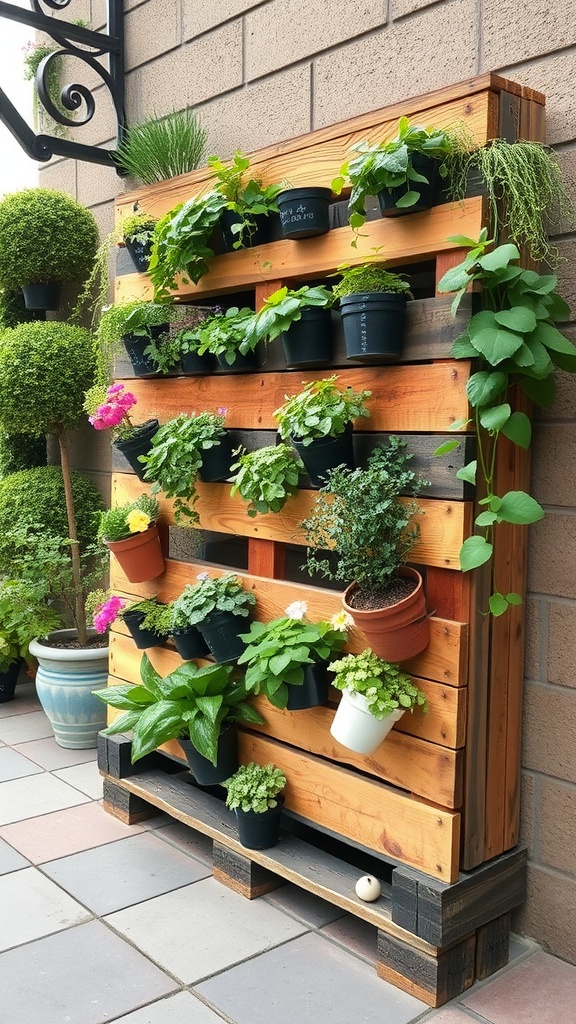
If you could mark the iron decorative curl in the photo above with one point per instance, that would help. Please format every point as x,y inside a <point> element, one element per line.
<point>73,95</point>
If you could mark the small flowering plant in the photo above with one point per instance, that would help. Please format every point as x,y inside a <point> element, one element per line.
<point>125,520</point>
<point>254,787</point>
<point>108,409</point>
<point>217,594</point>
<point>106,610</point>
<point>278,651</point>
<point>384,687</point>
<point>156,617</point>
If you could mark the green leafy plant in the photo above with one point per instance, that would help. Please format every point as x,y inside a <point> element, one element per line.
<point>254,787</point>
<point>20,451</point>
<point>246,198</point>
<point>133,317</point>
<point>283,308</point>
<point>182,242</point>
<point>224,334</point>
<point>175,457</point>
<point>157,616</point>
<point>320,410</point>
<point>516,343</point>
<point>160,148</point>
<point>369,277</point>
<point>13,309</point>
<point>216,594</point>
<point>24,614</point>
<point>138,227</point>
<point>384,686</point>
<point>359,514</point>
<point>267,477</point>
<point>277,651</point>
<point>123,521</point>
<point>191,702</point>
<point>167,351</point>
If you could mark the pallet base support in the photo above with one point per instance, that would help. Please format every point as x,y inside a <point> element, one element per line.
<point>126,806</point>
<point>241,874</point>
<point>434,980</point>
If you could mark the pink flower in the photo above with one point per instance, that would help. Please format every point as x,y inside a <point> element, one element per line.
<point>111,413</point>
<point>106,613</point>
<point>221,410</point>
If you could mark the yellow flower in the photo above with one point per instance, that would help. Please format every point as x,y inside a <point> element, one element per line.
<point>137,521</point>
<point>342,621</point>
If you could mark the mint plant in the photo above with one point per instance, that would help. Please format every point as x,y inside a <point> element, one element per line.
<point>267,477</point>
<point>254,787</point>
<point>320,410</point>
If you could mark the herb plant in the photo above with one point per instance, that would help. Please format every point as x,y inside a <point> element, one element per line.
<point>283,308</point>
<point>138,227</point>
<point>267,477</point>
<point>124,520</point>
<point>246,198</point>
<point>254,787</point>
<point>217,594</point>
<point>384,686</point>
<point>225,334</point>
<point>367,278</point>
<point>182,243</point>
<point>161,148</point>
<point>320,410</point>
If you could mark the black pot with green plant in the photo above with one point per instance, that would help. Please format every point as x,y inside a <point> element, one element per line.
<point>137,232</point>
<point>301,318</point>
<point>161,148</point>
<point>187,637</point>
<point>177,352</point>
<point>219,606</point>
<point>148,622</point>
<point>373,309</point>
<point>226,336</point>
<point>254,796</point>
<point>249,203</point>
<point>25,612</point>
<point>134,323</point>
<point>46,239</point>
<point>183,243</point>
<point>304,211</point>
<point>267,477</point>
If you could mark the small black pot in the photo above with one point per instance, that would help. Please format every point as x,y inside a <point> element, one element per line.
<point>425,165</point>
<point>135,345</point>
<point>314,690</point>
<point>242,364</point>
<point>140,253</point>
<point>8,680</point>
<point>138,445</point>
<point>326,453</point>
<point>221,632</point>
<point>143,638</point>
<point>304,212</point>
<point>259,236</point>
<point>259,830</point>
<point>198,366</point>
<point>190,643</point>
<point>373,326</point>
<point>42,296</point>
<point>216,461</point>
<point>308,341</point>
<point>207,774</point>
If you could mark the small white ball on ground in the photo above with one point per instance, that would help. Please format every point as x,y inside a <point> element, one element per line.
<point>368,888</point>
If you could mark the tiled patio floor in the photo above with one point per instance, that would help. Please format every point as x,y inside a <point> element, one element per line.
<point>104,922</point>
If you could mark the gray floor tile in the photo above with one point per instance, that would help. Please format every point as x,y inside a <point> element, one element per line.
<point>14,766</point>
<point>314,911</point>
<point>203,928</point>
<point>183,1008</point>
<point>358,936</point>
<point>194,843</point>
<point>16,707</point>
<point>19,728</point>
<point>135,869</point>
<point>84,975</point>
<point>34,795</point>
<point>293,982</point>
<point>85,777</point>
<point>32,906</point>
<point>10,859</point>
<point>48,754</point>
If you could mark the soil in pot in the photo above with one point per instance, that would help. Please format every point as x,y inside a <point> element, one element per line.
<point>143,365</point>
<point>138,444</point>
<point>397,630</point>
<point>425,165</point>
<point>207,774</point>
<point>259,830</point>
<point>308,341</point>
<point>304,212</point>
<point>326,453</point>
<point>373,325</point>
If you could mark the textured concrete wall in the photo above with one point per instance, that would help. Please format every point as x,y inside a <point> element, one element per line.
<point>260,72</point>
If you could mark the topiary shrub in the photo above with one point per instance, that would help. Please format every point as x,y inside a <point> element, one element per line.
<point>37,496</point>
<point>20,451</point>
<point>45,236</point>
<point>13,310</point>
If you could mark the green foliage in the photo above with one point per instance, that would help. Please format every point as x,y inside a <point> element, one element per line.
<point>35,497</point>
<point>161,148</point>
<point>24,614</point>
<point>190,702</point>
<point>369,277</point>
<point>45,236</point>
<point>384,686</point>
<point>175,458</point>
<point>283,308</point>
<point>215,594</point>
<point>138,227</point>
<point>278,651</point>
<point>20,451</point>
<point>267,477</point>
<point>167,350</point>
<point>224,334</point>
<point>515,342</point>
<point>132,317</point>
<point>359,515</point>
<point>246,198</point>
<point>114,523</point>
<point>254,787</point>
<point>45,368</point>
<point>182,242</point>
<point>320,410</point>
<point>13,309</point>
<point>157,616</point>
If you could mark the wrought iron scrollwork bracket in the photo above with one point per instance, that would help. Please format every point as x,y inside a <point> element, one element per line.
<point>86,46</point>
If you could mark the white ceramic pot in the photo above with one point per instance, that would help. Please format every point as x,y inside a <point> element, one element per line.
<point>64,683</point>
<point>356,728</point>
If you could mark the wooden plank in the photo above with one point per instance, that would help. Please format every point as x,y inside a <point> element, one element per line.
<point>126,806</point>
<point>266,557</point>
<point>241,874</point>
<point>448,593</point>
<point>476,780</point>
<point>390,823</point>
<point>434,980</point>
<point>492,947</point>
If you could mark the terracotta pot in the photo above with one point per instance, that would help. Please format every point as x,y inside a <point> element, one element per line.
<point>140,556</point>
<point>400,631</point>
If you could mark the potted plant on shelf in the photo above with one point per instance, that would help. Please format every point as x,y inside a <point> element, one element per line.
<point>318,422</point>
<point>249,203</point>
<point>301,317</point>
<point>304,211</point>
<point>182,243</point>
<point>373,309</point>
<point>108,409</point>
<point>225,335</point>
<point>187,637</point>
<point>46,239</point>
<point>219,605</point>
<point>24,614</point>
<point>254,796</point>
<point>177,352</point>
<point>360,516</point>
<point>161,148</point>
<point>148,621</point>
<point>287,659</point>
<point>197,706</point>
<point>136,233</point>
<point>184,449</point>
<point>267,477</point>
<point>130,532</point>
<point>135,323</point>
<point>375,695</point>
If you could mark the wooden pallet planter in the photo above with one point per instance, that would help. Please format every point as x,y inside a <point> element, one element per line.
<point>438,803</point>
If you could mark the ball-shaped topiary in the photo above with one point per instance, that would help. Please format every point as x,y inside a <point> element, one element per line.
<point>13,311</point>
<point>45,236</point>
<point>20,451</point>
<point>45,370</point>
<point>37,496</point>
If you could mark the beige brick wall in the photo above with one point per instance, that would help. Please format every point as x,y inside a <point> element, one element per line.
<point>260,71</point>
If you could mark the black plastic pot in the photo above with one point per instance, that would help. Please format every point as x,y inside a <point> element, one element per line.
<point>308,341</point>
<point>138,445</point>
<point>198,366</point>
<point>259,830</point>
<point>190,643</point>
<point>135,346</point>
<point>326,453</point>
<point>314,690</point>
<point>216,461</point>
<point>304,212</point>
<point>425,165</point>
<point>207,774</point>
<point>221,632</point>
<point>8,680</point>
<point>373,326</point>
<point>42,296</point>
<point>242,363</point>
<point>143,638</point>
<point>259,236</point>
<point>140,253</point>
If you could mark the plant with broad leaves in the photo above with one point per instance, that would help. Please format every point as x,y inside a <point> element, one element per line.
<point>384,686</point>
<point>254,787</point>
<point>320,409</point>
<point>182,243</point>
<point>248,199</point>
<point>224,334</point>
<point>283,308</point>
<point>216,594</point>
<point>267,477</point>
<point>515,339</point>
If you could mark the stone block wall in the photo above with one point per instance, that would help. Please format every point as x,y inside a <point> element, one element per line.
<point>261,71</point>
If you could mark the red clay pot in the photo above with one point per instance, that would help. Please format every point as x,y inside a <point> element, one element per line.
<point>400,631</point>
<point>140,556</point>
